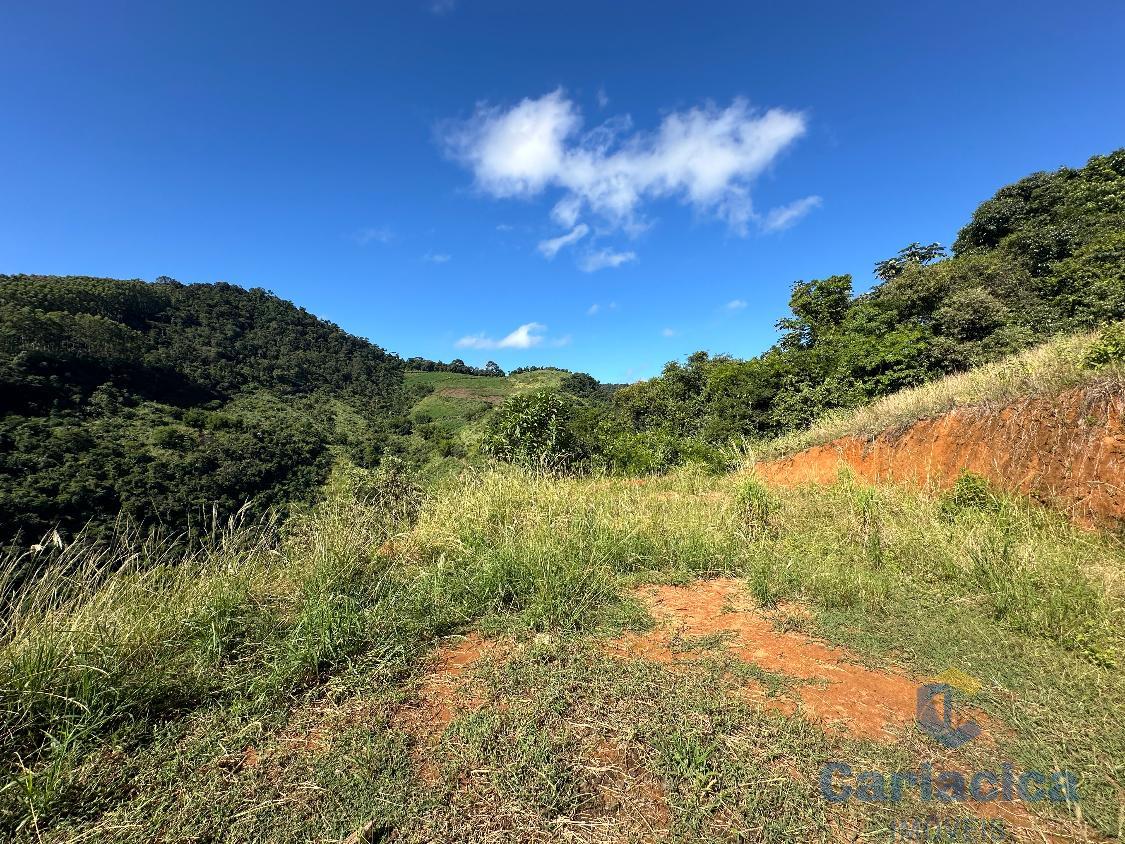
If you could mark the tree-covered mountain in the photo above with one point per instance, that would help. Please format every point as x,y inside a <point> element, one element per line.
<point>1045,255</point>
<point>159,401</point>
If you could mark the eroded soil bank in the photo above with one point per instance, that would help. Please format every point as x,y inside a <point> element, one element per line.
<point>1066,450</point>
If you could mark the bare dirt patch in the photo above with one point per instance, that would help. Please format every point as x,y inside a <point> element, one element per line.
<point>441,695</point>
<point>836,690</point>
<point>633,801</point>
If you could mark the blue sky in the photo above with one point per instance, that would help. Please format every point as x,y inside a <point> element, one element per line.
<point>599,186</point>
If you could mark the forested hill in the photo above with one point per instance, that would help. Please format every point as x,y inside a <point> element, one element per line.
<point>1045,255</point>
<point>149,399</point>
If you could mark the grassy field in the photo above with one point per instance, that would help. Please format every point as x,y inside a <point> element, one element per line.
<point>271,686</point>
<point>459,399</point>
<point>459,406</point>
<point>1044,370</point>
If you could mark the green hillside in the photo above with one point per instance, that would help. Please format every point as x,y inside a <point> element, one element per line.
<point>168,403</point>
<point>450,417</point>
<point>1043,258</point>
<point>171,403</point>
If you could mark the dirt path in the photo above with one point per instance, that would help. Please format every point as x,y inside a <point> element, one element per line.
<point>837,691</point>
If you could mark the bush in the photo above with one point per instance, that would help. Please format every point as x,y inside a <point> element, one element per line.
<point>535,430</point>
<point>1108,348</point>
<point>970,492</point>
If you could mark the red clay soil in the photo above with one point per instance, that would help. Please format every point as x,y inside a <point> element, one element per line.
<point>838,691</point>
<point>441,695</point>
<point>1067,451</point>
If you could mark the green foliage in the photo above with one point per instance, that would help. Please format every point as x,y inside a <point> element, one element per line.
<point>969,493</point>
<point>1090,284</point>
<point>913,255</point>
<point>1045,256</point>
<point>535,429</point>
<point>1108,349</point>
<point>162,402</point>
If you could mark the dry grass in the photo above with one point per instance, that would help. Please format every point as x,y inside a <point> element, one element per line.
<point>1045,370</point>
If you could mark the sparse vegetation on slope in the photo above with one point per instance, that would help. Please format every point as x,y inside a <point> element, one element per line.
<point>1079,360</point>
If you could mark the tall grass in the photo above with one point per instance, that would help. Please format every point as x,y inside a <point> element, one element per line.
<point>1044,370</point>
<point>107,640</point>
<point>109,643</point>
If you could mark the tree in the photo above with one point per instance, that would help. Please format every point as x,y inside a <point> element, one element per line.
<point>493,369</point>
<point>915,253</point>
<point>818,306</point>
<point>582,385</point>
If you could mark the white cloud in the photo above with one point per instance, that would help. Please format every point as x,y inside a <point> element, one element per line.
<point>566,211</point>
<point>527,335</point>
<point>597,308</point>
<point>735,305</point>
<point>550,248</point>
<point>706,157</point>
<point>603,98</point>
<point>784,216</point>
<point>443,7</point>
<point>517,152</point>
<point>603,259</point>
<point>669,332</point>
<point>437,258</point>
<point>380,234</point>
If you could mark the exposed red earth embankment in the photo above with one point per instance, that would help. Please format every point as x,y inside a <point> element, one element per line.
<point>1066,450</point>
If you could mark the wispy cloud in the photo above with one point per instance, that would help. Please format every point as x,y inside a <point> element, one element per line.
<point>735,305</point>
<point>442,7</point>
<point>551,247</point>
<point>379,234</point>
<point>706,157</point>
<point>603,98</point>
<point>437,258</point>
<point>597,308</point>
<point>669,332</point>
<point>602,259</point>
<point>785,216</point>
<point>527,335</point>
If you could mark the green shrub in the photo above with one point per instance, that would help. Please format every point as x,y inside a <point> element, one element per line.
<point>970,492</point>
<point>535,430</point>
<point>1109,348</point>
